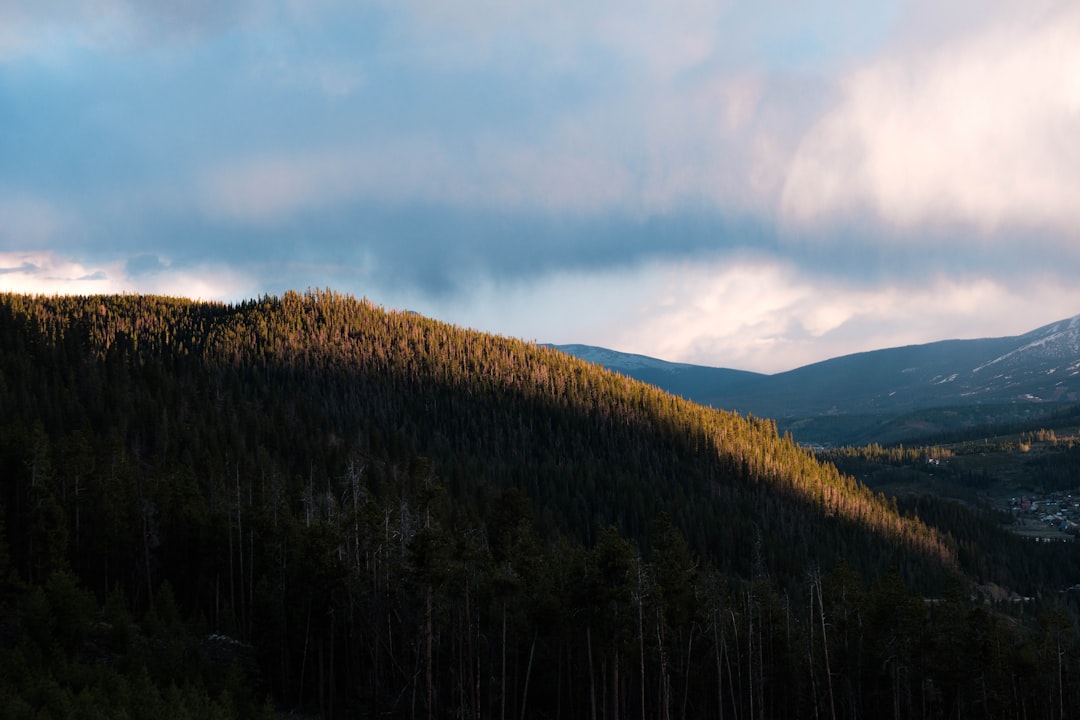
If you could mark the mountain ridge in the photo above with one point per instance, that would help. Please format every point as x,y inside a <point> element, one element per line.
<point>1036,368</point>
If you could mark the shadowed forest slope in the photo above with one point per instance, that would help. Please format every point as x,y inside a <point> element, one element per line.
<point>363,511</point>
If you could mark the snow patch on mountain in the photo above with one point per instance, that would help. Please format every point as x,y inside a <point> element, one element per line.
<point>1059,341</point>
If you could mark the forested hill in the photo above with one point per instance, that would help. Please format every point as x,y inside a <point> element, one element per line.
<point>362,511</point>
<point>299,389</point>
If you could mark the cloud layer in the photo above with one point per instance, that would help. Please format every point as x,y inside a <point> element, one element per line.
<point>46,273</point>
<point>981,132</point>
<point>713,183</point>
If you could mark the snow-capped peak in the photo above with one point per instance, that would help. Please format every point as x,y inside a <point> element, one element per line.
<point>1057,341</point>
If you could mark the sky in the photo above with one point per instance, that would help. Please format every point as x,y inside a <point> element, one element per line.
<point>755,185</point>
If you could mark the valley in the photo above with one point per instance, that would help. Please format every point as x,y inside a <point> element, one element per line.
<point>1029,480</point>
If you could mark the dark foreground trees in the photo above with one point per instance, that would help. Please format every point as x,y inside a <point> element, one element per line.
<point>430,617</point>
<point>305,503</point>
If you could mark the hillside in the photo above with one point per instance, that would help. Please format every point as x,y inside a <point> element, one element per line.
<point>363,512</point>
<point>892,394</point>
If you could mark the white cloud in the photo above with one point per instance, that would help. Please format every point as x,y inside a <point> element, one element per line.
<point>769,316</point>
<point>981,131</point>
<point>48,273</point>
<point>746,314</point>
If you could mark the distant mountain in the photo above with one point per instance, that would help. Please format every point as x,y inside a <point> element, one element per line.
<point>886,394</point>
<point>693,382</point>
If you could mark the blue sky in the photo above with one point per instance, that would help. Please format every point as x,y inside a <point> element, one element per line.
<point>750,185</point>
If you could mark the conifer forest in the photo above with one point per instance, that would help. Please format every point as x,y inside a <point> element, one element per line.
<point>310,506</point>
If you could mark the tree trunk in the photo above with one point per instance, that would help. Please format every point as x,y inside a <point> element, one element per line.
<point>428,623</point>
<point>303,660</point>
<point>750,646</point>
<point>615,687</point>
<point>240,624</point>
<point>592,676</point>
<point>528,673</point>
<point>825,646</point>
<point>719,673</point>
<point>738,664</point>
<point>686,672</point>
<point>810,652</point>
<point>77,517</point>
<point>474,687</point>
<point>665,696</point>
<point>641,640</point>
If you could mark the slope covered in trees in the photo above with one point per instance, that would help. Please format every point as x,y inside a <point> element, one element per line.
<point>371,512</point>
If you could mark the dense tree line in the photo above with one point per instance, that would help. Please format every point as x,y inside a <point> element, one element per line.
<point>978,533</point>
<point>311,502</point>
<point>1000,420</point>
